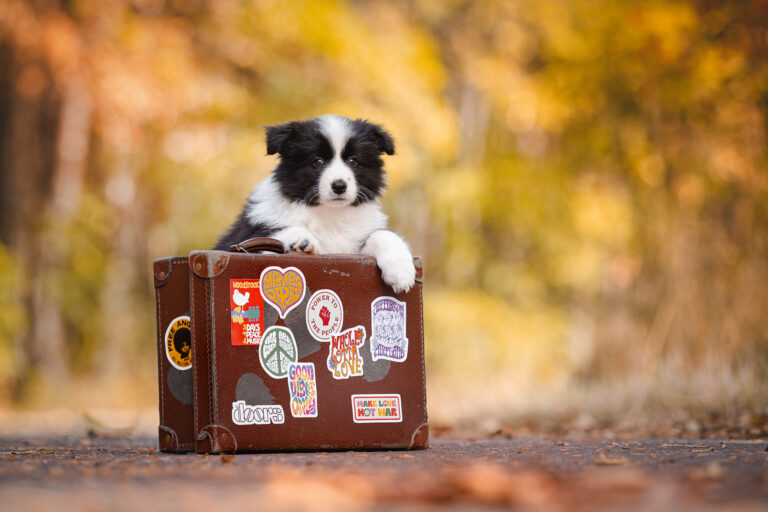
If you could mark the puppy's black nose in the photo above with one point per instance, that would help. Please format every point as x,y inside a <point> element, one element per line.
<point>339,186</point>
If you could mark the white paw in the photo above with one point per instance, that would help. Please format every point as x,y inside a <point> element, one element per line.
<point>308,245</point>
<point>298,239</point>
<point>399,273</point>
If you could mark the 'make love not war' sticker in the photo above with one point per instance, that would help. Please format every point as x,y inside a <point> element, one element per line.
<point>283,288</point>
<point>377,408</point>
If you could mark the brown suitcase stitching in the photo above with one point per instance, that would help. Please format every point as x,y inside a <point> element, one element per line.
<point>212,346</point>
<point>423,345</point>
<point>209,341</point>
<point>160,358</point>
<point>195,377</point>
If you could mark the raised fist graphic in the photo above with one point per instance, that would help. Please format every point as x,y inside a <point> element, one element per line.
<point>325,315</point>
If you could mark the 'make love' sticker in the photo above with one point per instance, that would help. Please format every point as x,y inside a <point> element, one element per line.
<point>283,288</point>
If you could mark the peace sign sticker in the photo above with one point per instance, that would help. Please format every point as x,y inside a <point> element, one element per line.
<point>277,351</point>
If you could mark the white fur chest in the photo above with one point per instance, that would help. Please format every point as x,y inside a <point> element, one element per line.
<point>339,230</point>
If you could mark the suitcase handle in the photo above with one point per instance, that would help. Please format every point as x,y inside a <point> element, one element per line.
<point>258,244</point>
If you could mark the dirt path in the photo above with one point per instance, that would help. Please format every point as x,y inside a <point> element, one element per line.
<point>530,473</point>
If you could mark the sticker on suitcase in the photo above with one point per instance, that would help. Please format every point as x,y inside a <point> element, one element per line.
<point>277,351</point>
<point>388,340</point>
<point>178,341</point>
<point>243,414</point>
<point>283,288</point>
<point>303,390</point>
<point>246,308</point>
<point>344,360</point>
<point>377,408</point>
<point>325,314</point>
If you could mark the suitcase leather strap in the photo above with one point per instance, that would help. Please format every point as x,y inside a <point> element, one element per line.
<point>258,244</point>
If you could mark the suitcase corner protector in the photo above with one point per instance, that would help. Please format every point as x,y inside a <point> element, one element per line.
<point>161,269</point>
<point>208,264</point>
<point>167,438</point>
<point>420,437</point>
<point>221,439</point>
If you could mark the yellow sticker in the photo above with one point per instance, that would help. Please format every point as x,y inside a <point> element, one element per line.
<point>178,343</point>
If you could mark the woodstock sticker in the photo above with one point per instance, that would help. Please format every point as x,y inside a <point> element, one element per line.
<point>377,408</point>
<point>388,339</point>
<point>344,360</point>
<point>246,308</point>
<point>303,390</point>
<point>283,288</point>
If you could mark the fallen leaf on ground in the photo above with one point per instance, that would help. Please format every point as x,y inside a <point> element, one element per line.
<point>605,460</point>
<point>711,471</point>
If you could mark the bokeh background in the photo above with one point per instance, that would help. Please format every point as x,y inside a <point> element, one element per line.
<point>585,179</point>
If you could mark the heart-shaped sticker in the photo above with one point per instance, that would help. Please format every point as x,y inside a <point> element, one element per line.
<point>283,288</point>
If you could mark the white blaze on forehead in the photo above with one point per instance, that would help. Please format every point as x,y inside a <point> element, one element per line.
<point>337,129</point>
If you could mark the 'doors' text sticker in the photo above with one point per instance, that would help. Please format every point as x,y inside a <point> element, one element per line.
<point>243,414</point>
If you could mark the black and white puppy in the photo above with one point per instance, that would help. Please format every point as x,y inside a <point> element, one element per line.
<point>323,196</point>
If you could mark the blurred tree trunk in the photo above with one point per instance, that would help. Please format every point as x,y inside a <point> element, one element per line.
<point>43,150</point>
<point>30,106</point>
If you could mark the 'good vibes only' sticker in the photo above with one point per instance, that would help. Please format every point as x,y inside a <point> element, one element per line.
<point>303,390</point>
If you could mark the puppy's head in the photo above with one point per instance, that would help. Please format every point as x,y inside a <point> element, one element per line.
<point>330,160</point>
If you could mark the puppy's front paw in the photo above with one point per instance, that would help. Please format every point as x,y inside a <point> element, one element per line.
<point>398,273</point>
<point>307,245</point>
<point>298,239</point>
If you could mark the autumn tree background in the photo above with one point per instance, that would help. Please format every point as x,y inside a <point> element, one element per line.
<point>586,180</point>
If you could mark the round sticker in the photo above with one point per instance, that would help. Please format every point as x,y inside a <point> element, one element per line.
<point>178,342</point>
<point>325,314</point>
<point>277,351</point>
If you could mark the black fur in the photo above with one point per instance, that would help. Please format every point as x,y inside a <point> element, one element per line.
<point>299,144</point>
<point>241,230</point>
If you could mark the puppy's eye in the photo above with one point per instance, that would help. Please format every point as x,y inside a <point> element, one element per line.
<point>352,162</point>
<point>318,163</point>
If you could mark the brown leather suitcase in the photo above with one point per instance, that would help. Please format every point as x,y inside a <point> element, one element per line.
<point>174,360</point>
<point>300,352</point>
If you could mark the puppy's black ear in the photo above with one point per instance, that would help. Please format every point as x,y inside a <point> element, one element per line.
<point>279,136</point>
<point>383,140</point>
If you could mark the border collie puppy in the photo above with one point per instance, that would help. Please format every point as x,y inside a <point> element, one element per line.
<point>323,196</point>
